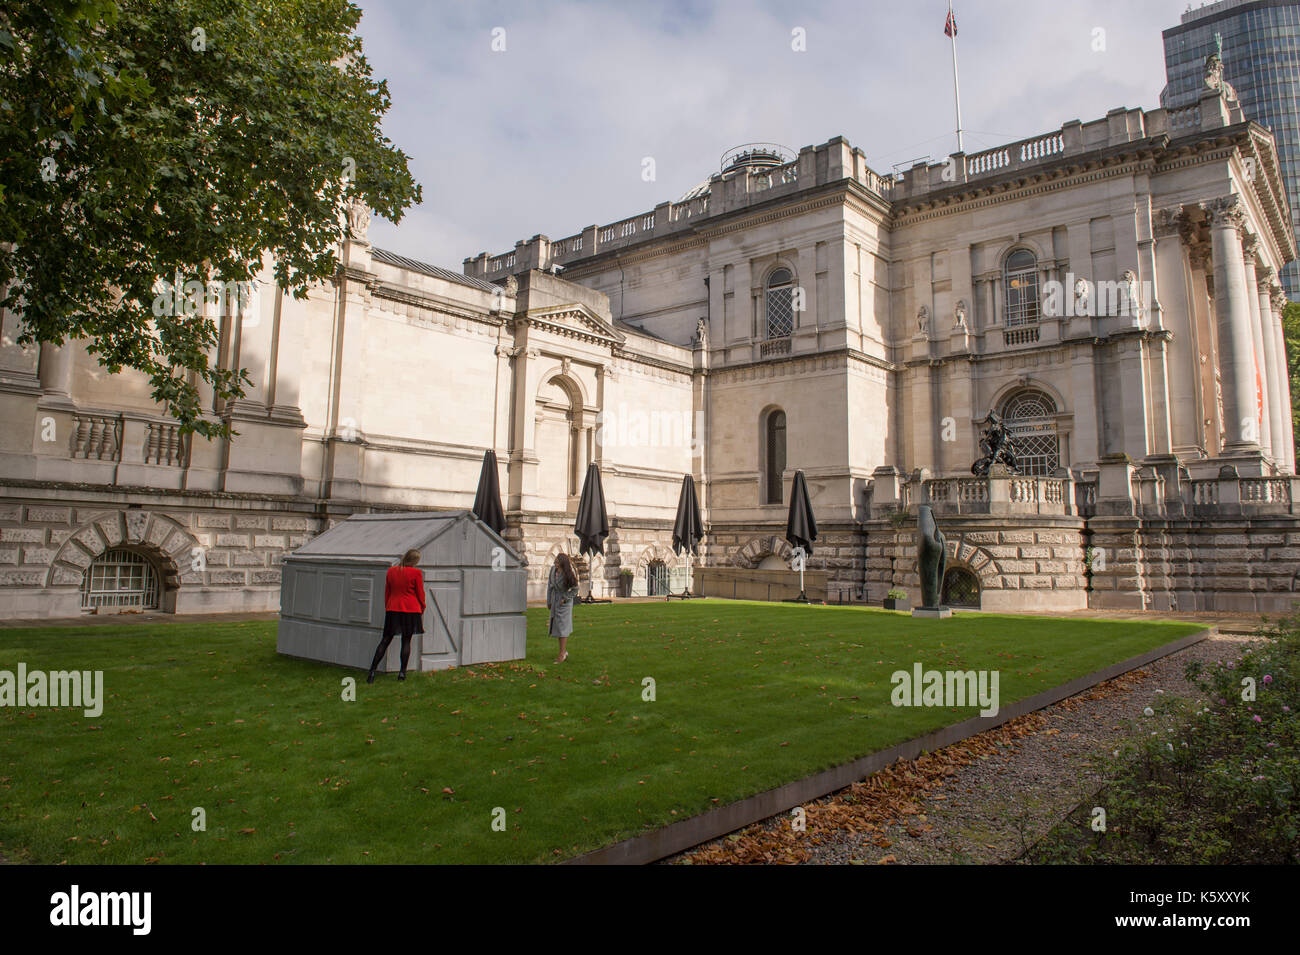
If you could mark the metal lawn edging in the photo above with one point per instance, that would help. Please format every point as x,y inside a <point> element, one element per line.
<point>680,836</point>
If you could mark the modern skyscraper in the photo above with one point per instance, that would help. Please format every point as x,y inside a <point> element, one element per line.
<point>1259,43</point>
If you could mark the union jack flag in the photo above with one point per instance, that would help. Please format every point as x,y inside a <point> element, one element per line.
<point>950,25</point>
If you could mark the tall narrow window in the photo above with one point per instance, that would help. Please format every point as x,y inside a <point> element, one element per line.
<point>774,484</point>
<point>780,304</point>
<point>1022,288</point>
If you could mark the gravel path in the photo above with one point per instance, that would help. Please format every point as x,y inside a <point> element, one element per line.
<point>983,800</point>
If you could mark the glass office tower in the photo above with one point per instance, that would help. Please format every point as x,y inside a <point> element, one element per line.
<point>1261,59</point>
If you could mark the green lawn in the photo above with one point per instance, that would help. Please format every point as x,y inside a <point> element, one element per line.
<point>749,696</point>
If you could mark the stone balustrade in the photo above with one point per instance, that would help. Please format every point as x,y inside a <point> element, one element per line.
<point>1121,488</point>
<point>116,447</point>
<point>1006,494</point>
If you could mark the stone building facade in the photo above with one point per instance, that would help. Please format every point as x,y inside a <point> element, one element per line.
<point>1109,288</point>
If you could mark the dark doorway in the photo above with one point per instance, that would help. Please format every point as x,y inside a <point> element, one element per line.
<point>961,588</point>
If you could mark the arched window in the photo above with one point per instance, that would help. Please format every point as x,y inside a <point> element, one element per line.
<point>774,458</point>
<point>1031,424</point>
<point>779,304</point>
<point>120,579</point>
<point>1021,275</point>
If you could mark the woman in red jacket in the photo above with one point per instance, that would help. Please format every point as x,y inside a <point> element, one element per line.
<point>403,609</point>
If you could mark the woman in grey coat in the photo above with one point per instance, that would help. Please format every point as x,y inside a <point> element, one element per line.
<point>561,592</point>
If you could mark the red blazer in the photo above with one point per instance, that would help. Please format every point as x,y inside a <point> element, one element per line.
<point>404,590</point>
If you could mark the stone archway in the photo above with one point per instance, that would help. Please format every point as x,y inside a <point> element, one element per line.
<point>975,560</point>
<point>652,554</point>
<point>163,540</point>
<point>752,553</point>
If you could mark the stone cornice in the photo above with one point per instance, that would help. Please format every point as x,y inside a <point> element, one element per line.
<point>1094,341</point>
<point>1031,183</point>
<point>395,293</point>
<point>661,363</point>
<point>803,362</point>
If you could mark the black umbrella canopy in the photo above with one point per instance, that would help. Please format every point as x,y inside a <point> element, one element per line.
<point>592,526</point>
<point>487,502</point>
<point>801,526</point>
<point>687,529</point>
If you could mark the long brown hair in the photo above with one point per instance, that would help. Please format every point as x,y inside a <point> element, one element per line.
<point>566,568</point>
<point>411,558</point>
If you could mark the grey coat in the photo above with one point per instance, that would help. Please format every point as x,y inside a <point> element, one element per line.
<point>560,601</point>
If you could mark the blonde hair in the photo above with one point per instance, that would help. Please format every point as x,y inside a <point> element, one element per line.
<point>411,558</point>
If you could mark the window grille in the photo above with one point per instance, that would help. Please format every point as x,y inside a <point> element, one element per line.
<point>780,304</point>
<point>120,579</point>
<point>1031,425</point>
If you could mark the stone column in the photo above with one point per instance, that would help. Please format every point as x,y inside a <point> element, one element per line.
<point>1208,411</point>
<point>1278,418</point>
<point>55,371</point>
<point>1232,308</point>
<point>253,312</point>
<point>1259,370</point>
<point>1087,413</point>
<point>1173,276</point>
<point>523,443</point>
<point>1283,378</point>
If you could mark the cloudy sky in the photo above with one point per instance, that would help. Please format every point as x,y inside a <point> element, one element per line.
<point>549,135</point>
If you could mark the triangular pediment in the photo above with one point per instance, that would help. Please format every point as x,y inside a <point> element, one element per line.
<point>575,319</point>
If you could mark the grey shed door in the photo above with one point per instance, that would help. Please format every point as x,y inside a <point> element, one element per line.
<point>442,639</point>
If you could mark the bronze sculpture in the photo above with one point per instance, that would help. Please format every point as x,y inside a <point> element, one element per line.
<point>997,447</point>
<point>931,558</point>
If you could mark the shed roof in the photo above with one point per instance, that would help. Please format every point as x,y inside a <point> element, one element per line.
<point>389,535</point>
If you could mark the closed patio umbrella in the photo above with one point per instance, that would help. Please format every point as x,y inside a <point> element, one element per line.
<point>487,502</point>
<point>592,524</point>
<point>688,530</point>
<point>801,526</point>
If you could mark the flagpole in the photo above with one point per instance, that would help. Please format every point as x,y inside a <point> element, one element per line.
<point>956,87</point>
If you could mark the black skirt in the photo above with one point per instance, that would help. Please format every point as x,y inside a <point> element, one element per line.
<point>403,623</point>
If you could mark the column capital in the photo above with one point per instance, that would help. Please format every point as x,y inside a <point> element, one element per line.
<point>1226,212</point>
<point>1277,294</point>
<point>1250,247</point>
<point>1170,222</point>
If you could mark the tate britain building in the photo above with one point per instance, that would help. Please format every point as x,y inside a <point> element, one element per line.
<point>1109,288</point>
